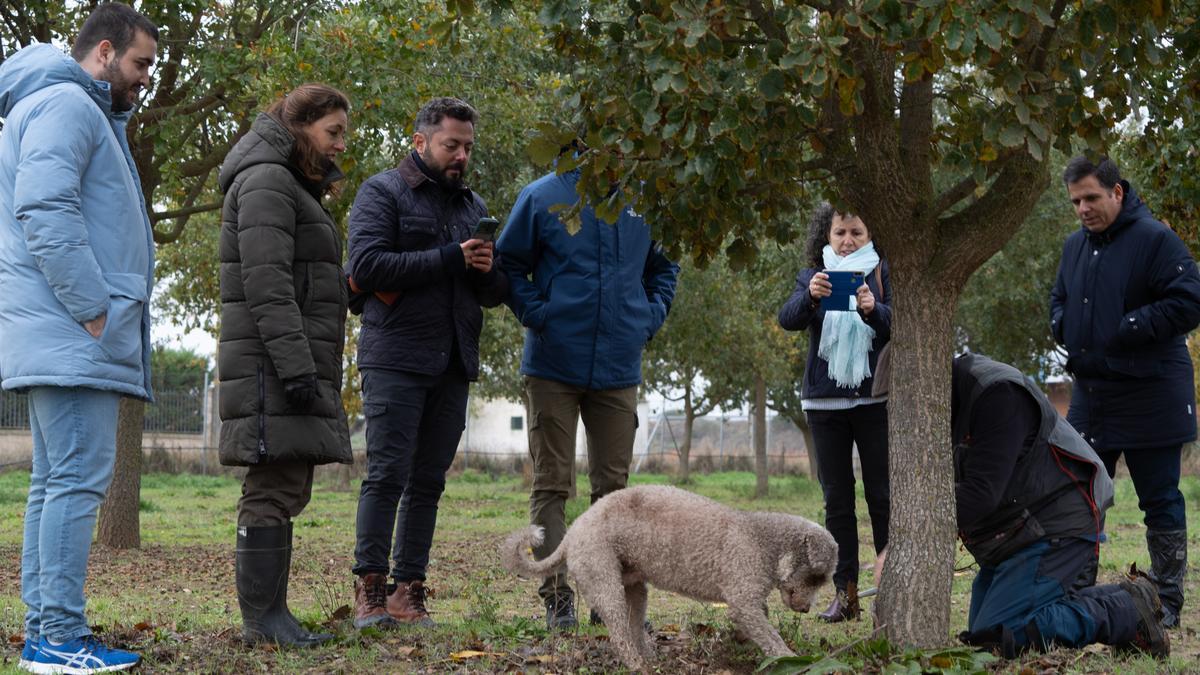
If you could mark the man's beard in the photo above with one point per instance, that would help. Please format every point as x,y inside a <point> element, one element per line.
<point>439,172</point>
<point>120,88</point>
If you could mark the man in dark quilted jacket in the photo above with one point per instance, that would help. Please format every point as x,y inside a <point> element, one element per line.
<point>411,248</point>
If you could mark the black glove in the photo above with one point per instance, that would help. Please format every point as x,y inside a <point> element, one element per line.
<point>301,391</point>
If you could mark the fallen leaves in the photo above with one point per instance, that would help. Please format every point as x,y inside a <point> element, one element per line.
<point>469,654</point>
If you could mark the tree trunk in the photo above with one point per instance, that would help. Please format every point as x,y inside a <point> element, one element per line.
<point>119,525</point>
<point>913,603</point>
<point>759,413</point>
<point>685,448</point>
<point>810,446</point>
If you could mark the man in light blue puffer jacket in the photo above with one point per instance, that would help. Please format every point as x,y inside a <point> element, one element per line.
<point>76,270</point>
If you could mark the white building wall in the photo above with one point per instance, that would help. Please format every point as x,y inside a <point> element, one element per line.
<point>490,429</point>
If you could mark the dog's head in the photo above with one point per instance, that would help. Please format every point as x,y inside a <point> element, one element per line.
<point>806,564</point>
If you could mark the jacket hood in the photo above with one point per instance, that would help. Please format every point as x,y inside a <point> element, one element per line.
<point>39,66</point>
<point>268,142</point>
<point>1133,209</point>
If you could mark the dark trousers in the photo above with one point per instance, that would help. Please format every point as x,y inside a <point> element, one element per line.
<point>274,493</point>
<point>414,423</point>
<point>1155,474</point>
<point>835,433</point>
<point>1043,596</point>
<point>610,419</point>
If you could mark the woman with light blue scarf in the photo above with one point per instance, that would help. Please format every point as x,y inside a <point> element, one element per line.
<point>843,347</point>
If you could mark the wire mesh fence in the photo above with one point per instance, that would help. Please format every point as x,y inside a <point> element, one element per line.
<point>180,411</point>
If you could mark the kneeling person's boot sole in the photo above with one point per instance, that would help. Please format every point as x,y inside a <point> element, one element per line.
<point>1151,637</point>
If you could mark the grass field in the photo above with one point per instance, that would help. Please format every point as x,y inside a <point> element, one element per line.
<point>173,600</point>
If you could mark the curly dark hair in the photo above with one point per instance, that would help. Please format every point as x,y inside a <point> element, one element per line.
<point>819,225</point>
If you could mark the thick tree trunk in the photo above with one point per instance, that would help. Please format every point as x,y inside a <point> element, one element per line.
<point>119,525</point>
<point>759,411</point>
<point>913,604</point>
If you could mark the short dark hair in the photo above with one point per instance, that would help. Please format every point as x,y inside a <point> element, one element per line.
<point>433,112</point>
<point>1105,171</point>
<point>113,21</point>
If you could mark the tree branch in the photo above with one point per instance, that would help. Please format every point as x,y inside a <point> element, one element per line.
<point>765,20</point>
<point>159,216</point>
<point>975,233</point>
<point>960,191</point>
<point>1038,57</point>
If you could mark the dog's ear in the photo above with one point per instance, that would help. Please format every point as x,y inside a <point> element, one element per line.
<point>786,566</point>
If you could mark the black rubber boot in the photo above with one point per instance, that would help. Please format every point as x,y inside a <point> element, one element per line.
<point>309,638</point>
<point>1168,564</point>
<point>264,556</point>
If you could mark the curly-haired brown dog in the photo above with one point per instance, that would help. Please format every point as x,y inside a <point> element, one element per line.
<point>688,544</point>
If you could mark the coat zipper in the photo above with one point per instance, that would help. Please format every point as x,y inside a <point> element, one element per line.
<point>304,289</point>
<point>262,414</point>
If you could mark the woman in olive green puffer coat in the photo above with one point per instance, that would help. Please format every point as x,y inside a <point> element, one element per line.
<point>283,312</point>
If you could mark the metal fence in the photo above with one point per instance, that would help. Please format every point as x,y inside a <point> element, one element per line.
<point>180,412</point>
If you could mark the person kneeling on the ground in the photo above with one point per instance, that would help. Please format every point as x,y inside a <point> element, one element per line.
<point>1031,497</point>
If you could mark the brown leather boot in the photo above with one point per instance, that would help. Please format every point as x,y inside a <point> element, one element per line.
<point>844,606</point>
<point>406,604</point>
<point>370,602</point>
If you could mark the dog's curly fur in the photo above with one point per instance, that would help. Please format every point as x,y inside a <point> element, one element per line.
<point>692,545</point>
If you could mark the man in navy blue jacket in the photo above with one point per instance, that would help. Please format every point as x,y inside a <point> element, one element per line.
<point>590,302</point>
<point>411,246</point>
<point>1126,296</point>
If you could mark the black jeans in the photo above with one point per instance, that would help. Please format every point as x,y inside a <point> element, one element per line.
<point>414,423</point>
<point>1155,473</point>
<point>835,433</point>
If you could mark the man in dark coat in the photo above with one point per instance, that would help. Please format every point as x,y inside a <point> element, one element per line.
<point>1126,296</point>
<point>1031,496</point>
<point>411,245</point>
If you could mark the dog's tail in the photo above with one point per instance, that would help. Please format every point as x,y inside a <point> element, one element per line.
<point>516,556</point>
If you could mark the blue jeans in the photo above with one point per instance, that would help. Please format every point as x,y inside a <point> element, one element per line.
<point>74,446</point>
<point>1044,593</point>
<point>414,423</point>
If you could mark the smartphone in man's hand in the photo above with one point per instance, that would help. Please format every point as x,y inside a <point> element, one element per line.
<point>485,229</point>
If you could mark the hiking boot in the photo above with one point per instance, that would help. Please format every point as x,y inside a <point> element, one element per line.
<point>1150,636</point>
<point>370,602</point>
<point>406,604</point>
<point>844,606</point>
<point>80,656</point>
<point>560,613</point>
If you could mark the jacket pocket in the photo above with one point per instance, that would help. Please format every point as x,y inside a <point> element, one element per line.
<point>305,294</point>
<point>1135,366</point>
<point>121,339</point>
<point>262,414</point>
<point>996,544</point>
<point>416,233</point>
